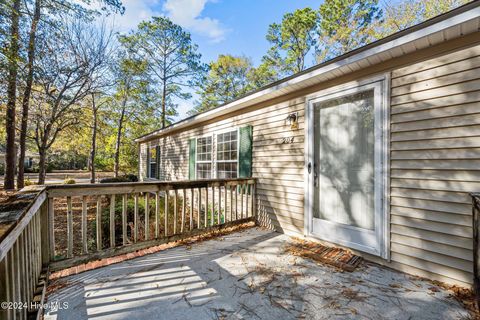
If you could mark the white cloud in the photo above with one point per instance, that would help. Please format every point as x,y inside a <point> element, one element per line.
<point>187,13</point>
<point>135,12</point>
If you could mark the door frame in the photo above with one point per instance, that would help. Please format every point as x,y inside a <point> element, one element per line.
<point>382,168</point>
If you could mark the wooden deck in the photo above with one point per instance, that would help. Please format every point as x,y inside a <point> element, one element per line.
<point>245,275</point>
<point>67,225</point>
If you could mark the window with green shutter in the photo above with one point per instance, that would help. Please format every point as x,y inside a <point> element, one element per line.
<point>192,155</point>
<point>232,156</point>
<point>157,151</point>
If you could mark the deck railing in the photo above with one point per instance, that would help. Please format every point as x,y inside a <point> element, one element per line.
<point>68,225</point>
<point>22,257</point>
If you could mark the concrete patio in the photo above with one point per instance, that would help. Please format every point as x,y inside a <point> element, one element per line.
<point>245,275</point>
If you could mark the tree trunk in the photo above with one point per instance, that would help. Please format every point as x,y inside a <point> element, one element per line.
<point>119,137</point>
<point>42,165</point>
<point>94,141</point>
<point>27,93</point>
<point>9,183</point>
<point>164,96</point>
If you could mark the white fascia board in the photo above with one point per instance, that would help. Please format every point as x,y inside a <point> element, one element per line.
<point>316,74</point>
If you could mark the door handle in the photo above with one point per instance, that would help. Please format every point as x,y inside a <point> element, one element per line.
<point>309,167</point>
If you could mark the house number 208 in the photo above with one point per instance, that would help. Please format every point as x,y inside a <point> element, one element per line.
<point>287,140</point>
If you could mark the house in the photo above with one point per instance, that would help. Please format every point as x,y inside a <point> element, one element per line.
<point>376,150</point>
<point>30,158</point>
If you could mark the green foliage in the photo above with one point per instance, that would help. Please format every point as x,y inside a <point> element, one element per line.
<point>410,12</point>
<point>228,78</point>
<point>291,42</point>
<point>125,178</point>
<point>172,61</point>
<point>69,181</point>
<point>345,25</point>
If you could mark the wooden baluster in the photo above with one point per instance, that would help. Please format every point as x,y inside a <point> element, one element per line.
<point>147,216</point>
<point>231,202</point>
<point>69,228</point>
<point>247,203</point>
<point>212,218</point>
<point>84,225</point>
<point>99,223</point>
<point>51,228</point>
<point>206,206</point>
<point>175,211</point>
<point>184,200</point>
<point>44,233</point>
<point>254,199</point>
<point>191,208</point>
<point>27,263</point>
<point>124,219</point>
<point>242,191</point>
<point>157,214</point>
<point>16,268</point>
<point>166,212</point>
<point>33,253</point>
<point>5,276</point>
<point>236,201</point>
<point>21,266</point>
<point>112,221</point>
<point>33,257</point>
<point>199,207</point>
<point>219,214</point>
<point>38,244</point>
<point>135,218</point>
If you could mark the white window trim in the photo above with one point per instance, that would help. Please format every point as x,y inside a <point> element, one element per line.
<point>196,154</point>
<point>214,160</point>
<point>214,168</point>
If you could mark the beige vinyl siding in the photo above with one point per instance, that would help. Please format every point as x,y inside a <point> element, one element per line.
<point>277,166</point>
<point>435,162</point>
<point>434,157</point>
<point>143,161</point>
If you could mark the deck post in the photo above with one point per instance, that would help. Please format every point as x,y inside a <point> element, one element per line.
<point>476,247</point>
<point>51,228</point>
<point>45,232</point>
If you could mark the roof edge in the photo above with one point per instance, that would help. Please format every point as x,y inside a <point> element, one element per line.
<point>274,86</point>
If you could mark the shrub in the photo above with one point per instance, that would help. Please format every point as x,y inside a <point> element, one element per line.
<point>69,181</point>
<point>28,182</point>
<point>131,177</point>
<point>113,180</point>
<point>125,178</point>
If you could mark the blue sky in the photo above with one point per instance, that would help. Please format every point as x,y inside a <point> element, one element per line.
<point>236,27</point>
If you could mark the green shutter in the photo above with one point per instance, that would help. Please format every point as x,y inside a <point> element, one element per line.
<point>245,152</point>
<point>157,155</point>
<point>192,143</point>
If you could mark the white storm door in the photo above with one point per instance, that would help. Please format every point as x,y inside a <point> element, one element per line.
<point>346,177</point>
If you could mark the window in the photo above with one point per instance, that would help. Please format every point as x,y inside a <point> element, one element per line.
<point>227,155</point>
<point>204,158</point>
<point>223,155</point>
<point>152,165</point>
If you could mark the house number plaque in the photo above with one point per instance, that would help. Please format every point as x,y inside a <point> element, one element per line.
<point>287,140</point>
